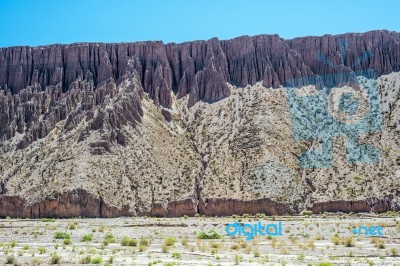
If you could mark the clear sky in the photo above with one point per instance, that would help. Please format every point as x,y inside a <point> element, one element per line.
<point>41,22</point>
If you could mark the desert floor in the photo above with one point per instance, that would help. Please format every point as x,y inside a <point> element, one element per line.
<point>171,241</point>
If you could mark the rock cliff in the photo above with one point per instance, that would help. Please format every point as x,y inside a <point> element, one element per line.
<point>102,130</point>
<point>200,68</point>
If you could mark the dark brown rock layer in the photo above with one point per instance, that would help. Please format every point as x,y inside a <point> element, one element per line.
<point>172,209</point>
<point>224,207</point>
<point>367,205</point>
<point>72,204</point>
<point>79,203</point>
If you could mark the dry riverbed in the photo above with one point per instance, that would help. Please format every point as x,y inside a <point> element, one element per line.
<point>171,241</point>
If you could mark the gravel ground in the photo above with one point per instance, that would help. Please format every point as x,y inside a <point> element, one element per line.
<point>151,241</point>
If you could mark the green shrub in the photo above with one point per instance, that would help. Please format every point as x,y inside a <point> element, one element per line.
<point>211,235</point>
<point>55,258</point>
<point>169,264</point>
<point>154,262</point>
<point>164,248</point>
<point>185,241</point>
<point>301,257</point>
<point>42,250</point>
<point>348,241</point>
<point>67,241</point>
<point>307,212</point>
<point>169,241</point>
<point>370,263</point>
<point>238,259</point>
<point>72,226</point>
<point>144,242</point>
<point>97,260</point>
<point>325,264</point>
<point>214,245</point>
<point>131,242</point>
<point>87,238</point>
<point>336,240</point>
<point>345,241</point>
<point>110,238</point>
<point>48,220</point>
<point>176,255</point>
<point>61,235</point>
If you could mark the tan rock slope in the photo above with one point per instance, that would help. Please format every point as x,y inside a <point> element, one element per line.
<point>233,156</point>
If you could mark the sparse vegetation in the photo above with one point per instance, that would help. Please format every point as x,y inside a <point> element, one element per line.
<point>307,212</point>
<point>143,244</point>
<point>169,264</point>
<point>48,220</point>
<point>345,241</point>
<point>238,259</point>
<point>290,251</point>
<point>72,226</point>
<point>55,258</point>
<point>85,260</point>
<point>211,235</point>
<point>96,260</point>
<point>109,238</point>
<point>42,250</point>
<point>185,241</point>
<point>10,260</point>
<point>87,238</point>
<point>61,235</point>
<point>170,241</point>
<point>176,255</point>
<point>126,241</point>
<point>378,242</point>
<point>154,262</point>
<point>348,241</point>
<point>235,246</point>
<point>325,264</point>
<point>67,241</point>
<point>164,248</point>
<point>13,244</point>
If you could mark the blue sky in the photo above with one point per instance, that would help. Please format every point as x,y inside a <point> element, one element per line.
<point>29,22</point>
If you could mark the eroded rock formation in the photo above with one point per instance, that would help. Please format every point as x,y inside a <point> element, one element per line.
<point>103,130</point>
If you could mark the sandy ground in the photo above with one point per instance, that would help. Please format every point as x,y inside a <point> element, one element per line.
<point>33,242</point>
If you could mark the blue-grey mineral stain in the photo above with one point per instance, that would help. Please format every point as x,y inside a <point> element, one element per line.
<point>311,120</point>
